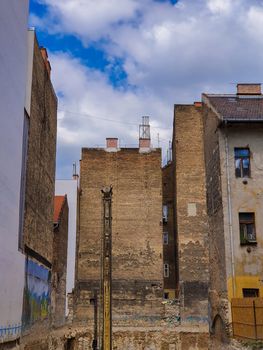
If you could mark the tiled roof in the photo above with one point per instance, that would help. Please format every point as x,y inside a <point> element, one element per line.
<point>58,205</point>
<point>237,108</point>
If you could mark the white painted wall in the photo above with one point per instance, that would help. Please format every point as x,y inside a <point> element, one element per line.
<point>13,64</point>
<point>70,188</point>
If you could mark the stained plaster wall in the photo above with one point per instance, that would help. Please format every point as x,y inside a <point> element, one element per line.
<point>245,197</point>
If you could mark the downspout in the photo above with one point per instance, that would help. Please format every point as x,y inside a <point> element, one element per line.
<point>230,218</point>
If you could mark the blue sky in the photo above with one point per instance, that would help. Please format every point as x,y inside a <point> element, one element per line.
<point>115,61</point>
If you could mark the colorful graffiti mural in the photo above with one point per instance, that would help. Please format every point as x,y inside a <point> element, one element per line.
<point>36,293</point>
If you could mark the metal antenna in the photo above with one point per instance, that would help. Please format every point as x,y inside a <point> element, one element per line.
<point>144,132</point>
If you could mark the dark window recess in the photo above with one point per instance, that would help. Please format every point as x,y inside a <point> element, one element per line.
<point>247,228</point>
<point>250,292</point>
<point>166,295</point>
<point>242,162</point>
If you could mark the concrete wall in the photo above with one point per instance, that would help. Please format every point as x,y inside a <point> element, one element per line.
<point>137,232</point>
<point>191,217</point>
<point>70,188</point>
<point>13,63</point>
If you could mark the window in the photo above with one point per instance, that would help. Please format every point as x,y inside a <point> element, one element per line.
<point>165,213</point>
<point>247,228</point>
<point>250,292</point>
<point>242,162</point>
<point>166,295</point>
<point>166,270</point>
<point>165,238</point>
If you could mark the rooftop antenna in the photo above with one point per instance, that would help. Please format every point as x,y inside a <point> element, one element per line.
<point>144,132</point>
<point>74,174</point>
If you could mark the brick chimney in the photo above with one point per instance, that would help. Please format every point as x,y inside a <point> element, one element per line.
<point>144,136</point>
<point>45,58</point>
<point>248,89</point>
<point>111,144</point>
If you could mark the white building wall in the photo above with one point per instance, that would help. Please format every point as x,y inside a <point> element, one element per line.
<point>70,188</point>
<point>13,63</point>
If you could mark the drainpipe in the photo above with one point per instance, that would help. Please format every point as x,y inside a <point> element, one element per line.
<point>230,219</point>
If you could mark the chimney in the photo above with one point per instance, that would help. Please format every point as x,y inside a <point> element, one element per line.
<point>144,136</point>
<point>248,89</point>
<point>45,58</point>
<point>111,144</point>
<point>198,104</point>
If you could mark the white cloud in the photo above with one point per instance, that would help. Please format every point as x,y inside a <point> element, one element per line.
<point>220,6</point>
<point>90,110</point>
<point>170,53</point>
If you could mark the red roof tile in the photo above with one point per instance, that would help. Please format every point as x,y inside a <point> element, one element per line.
<point>58,205</point>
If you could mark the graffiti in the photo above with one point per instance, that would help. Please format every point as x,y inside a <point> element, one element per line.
<point>10,331</point>
<point>36,293</point>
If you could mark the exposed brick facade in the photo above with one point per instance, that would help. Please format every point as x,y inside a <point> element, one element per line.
<point>41,156</point>
<point>137,272</point>
<point>190,208</point>
<point>59,267</point>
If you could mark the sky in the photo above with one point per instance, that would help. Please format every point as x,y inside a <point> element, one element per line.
<point>114,61</point>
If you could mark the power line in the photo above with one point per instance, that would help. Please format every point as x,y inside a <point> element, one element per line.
<point>106,119</point>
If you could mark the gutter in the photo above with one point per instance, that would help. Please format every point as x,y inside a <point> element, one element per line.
<point>230,218</point>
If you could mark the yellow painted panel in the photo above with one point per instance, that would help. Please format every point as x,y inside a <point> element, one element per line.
<point>241,282</point>
<point>171,293</point>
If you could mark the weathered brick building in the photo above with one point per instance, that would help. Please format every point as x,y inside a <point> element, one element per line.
<point>190,213</point>
<point>137,262</point>
<point>59,263</point>
<point>233,152</point>
<point>36,239</point>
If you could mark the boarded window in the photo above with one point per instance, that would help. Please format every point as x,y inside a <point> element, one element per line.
<point>242,162</point>
<point>165,238</point>
<point>250,292</point>
<point>166,270</point>
<point>247,228</point>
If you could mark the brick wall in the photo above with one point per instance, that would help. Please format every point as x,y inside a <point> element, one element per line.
<point>191,218</point>
<point>218,299</point>
<point>59,268</point>
<point>40,169</point>
<point>136,232</point>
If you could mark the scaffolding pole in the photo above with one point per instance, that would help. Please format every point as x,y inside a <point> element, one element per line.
<point>106,269</point>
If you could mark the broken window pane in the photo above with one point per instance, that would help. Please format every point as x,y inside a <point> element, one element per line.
<point>247,228</point>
